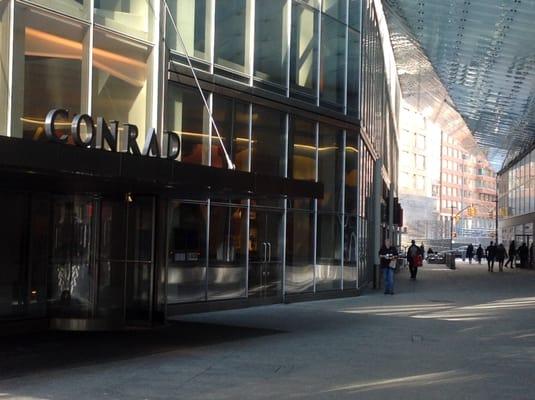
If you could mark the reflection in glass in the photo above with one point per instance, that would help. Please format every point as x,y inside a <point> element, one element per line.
<point>133,17</point>
<point>186,116</point>
<point>69,277</point>
<point>329,167</point>
<point>269,128</point>
<point>328,253</point>
<point>186,263</point>
<point>355,10</point>
<point>332,70</point>
<point>299,252</point>
<point>227,252</point>
<point>304,51</point>
<point>52,68</point>
<point>120,80</point>
<point>75,8</point>
<point>232,119</point>
<point>230,34</point>
<point>351,171</point>
<point>350,252</point>
<point>192,18</point>
<point>302,156</point>
<point>4,65</point>
<point>353,73</point>
<point>270,40</point>
<point>335,8</point>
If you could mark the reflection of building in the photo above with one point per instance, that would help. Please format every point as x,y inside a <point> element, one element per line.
<point>92,236</point>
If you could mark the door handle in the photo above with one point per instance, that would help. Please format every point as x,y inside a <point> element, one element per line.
<point>269,251</point>
<point>264,247</point>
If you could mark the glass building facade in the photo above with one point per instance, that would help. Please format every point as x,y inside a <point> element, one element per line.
<point>296,96</point>
<point>516,200</point>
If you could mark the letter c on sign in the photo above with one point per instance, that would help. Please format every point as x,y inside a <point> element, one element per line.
<point>50,127</point>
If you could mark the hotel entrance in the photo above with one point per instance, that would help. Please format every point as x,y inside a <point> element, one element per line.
<point>101,261</point>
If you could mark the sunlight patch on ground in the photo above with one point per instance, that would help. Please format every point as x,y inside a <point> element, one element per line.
<point>409,381</point>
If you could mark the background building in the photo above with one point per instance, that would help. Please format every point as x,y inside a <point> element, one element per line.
<point>282,201</point>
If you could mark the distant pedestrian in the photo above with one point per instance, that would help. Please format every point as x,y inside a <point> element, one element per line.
<point>512,255</point>
<point>531,255</point>
<point>479,254</point>
<point>422,250</point>
<point>414,258</point>
<point>523,254</point>
<point>501,254</point>
<point>490,253</point>
<point>430,251</point>
<point>470,253</point>
<point>388,256</point>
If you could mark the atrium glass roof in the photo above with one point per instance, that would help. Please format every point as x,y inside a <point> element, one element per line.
<point>484,53</point>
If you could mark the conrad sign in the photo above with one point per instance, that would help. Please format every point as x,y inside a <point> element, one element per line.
<point>105,135</point>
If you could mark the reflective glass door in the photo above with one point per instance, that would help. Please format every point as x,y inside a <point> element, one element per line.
<point>265,253</point>
<point>126,258</point>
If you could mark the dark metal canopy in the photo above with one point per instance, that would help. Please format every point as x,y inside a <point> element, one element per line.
<point>44,166</point>
<point>484,53</point>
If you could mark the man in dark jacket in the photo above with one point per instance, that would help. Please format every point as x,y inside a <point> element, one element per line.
<point>388,255</point>
<point>500,255</point>
<point>512,254</point>
<point>470,253</point>
<point>491,255</point>
<point>413,254</point>
<point>523,253</point>
<point>479,254</point>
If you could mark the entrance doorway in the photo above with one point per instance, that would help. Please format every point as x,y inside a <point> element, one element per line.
<point>265,253</point>
<point>102,258</point>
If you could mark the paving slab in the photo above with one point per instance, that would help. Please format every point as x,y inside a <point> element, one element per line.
<point>452,334</point>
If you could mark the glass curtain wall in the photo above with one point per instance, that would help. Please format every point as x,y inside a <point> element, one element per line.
<point>133,17</point>
<point>4,65</point>
<point>351,210</point>
<point>333,61</point>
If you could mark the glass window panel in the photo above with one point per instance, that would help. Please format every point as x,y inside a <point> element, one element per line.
<point>333,44</point>
<point>350,252</point>
<point>335,8</point>
<point>304,52</point>
<point>52,66</point>
<point>300,252</point>
<point>355,7</point>
<point>329,160</point>
<point>351,171</point>
<point>227,252</point>
<point>186,116</point>
<point>120,80</point>
<point>231,34</point>
<point>134,17</point>
<point>302,150</point>
<point>4,65</point>
<point>192,17</point>
<point>328,253</point>
<point>270,40</point>
<point>353,73</point>
<point>186,263</point>
<point>268,141</point>
<point>75,8</point>
<point>232,119</point>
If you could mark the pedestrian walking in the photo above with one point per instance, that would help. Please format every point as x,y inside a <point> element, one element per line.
<point>501,254</point>
<point>512,255</point>
<point>531,255</point>
<point>388,255</point>
<point>414,258</point>
<point>422,250</point>
<point>479,254</point>
<point>523,254</point>
<point>470,253</point>
<point>490,252</point>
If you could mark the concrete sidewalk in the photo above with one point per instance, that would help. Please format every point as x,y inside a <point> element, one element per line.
<point>462,334</point>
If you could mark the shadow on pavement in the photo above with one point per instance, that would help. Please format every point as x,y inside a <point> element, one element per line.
<point>36,352</point>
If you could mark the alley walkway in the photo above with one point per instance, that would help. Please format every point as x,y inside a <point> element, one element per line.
<point>463,334</point>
